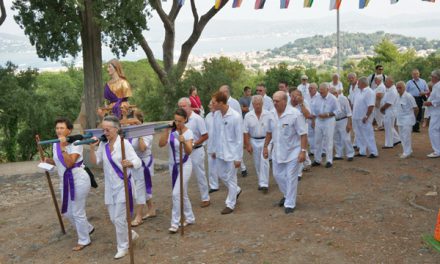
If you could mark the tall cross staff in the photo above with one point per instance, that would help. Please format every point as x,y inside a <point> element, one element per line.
<point>49,182</point>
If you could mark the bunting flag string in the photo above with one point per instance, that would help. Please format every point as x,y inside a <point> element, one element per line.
<point>363,3</point>
<point>217,4</point>
<point>432,1</point>
<point>308,3</point>
<point>284,4</point>
<point>394,2</point>
<point>259,4</point>
<point>335,4</point>
<point>236,3</point>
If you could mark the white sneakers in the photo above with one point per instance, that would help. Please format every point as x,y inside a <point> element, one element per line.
<point>173,229</point>
<point>405,156</point>
<point>123,253</point>
<point>433,155</point>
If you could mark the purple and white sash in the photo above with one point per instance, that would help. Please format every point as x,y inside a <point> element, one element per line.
<point>68,184</point>
<point>121,175</point>
<point>176,164</point>
<point>147,174</point>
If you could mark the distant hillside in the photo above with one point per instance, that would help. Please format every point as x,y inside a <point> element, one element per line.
<point>352,44</point>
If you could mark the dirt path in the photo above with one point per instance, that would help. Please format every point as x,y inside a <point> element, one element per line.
<point>355,212</point>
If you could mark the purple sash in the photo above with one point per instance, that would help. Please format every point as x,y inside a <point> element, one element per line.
<point>68,183</point>
<point>121,175</point>
<point>176,164</point>
<point>109,95</point>
<point>147,175</point>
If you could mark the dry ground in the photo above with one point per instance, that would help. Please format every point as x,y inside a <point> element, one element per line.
<point>355,212</point>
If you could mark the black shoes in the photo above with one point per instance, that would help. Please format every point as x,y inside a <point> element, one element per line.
<point>213,190</point>
<point>281,202</point>
<point>372,156</point>
<point>360,155</point>
<point>350,159</point>
<point>288,210</point>
<point>338,158</point>
<point>385,147</point>
<point>238,194</point>
<point>397,143</point>
<point>328,165</point>
<point>315,164</point>
<point>244,173</point>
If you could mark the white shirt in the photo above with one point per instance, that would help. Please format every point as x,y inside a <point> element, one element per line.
<point>391,97</point>
<point>380,89</point>
<point>79,174</point>
<point>373,85</point>
<point>257,128</point>
<point>267,103</point>
<point>286,134</point>
<point>197,125</point>
<point>321,105</point>
<point>114,186</point>
<point>362,100</point>
<point>405,110</point>
<point>235,104</point>
<point>351,92</point>
<point>339,87</point>
<point>209,121</point>
<point>344,107</point>
<point>304,88</point>
<point>188,135</point>
<point>228,134</point>
<point>148,140</point>
<point>299,108</point>
<point>434,98</point>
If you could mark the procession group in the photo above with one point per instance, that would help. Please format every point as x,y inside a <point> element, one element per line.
<point>284,132</point>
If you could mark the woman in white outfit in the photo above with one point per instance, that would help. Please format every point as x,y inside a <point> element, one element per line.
<point>109,153</point>
<point>143,175</point>
<point>173,138</point>
<point>74,182</point>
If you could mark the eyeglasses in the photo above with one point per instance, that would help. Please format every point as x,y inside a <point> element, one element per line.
<point>381,69</point>
<point>259,90</point>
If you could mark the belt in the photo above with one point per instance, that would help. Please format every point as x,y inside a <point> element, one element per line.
<point>198,146</point>
<point>342,118</point>
<point>258,137</point>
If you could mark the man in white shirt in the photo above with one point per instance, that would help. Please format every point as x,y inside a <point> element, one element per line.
<point>267,101</point>
<point>289,136</point>
<point>363,119</point>
<point>324,110</point>
<point>336,83</point>
<point>304,88</point>
<point>236,106</point>
<point>433,105</point>
<point>343,127</point>
<point>388,109</point>
<point>352,86</point>
<point>200,133</point>
<point>228,147</point>
<point>213,174</point>
<point>256,125</point>
<point>380,92</point>
<point>406,117</point>
<point>313,91</point>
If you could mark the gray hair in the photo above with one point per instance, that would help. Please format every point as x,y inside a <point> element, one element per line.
<point>184,99</point>
<point>399,83</point>
<point>436,74</point>
<point>389,78</point>
<point>378,77</point>
<point>352,74</point>
<point>113,119</point>
<point>363,80</point>
<point>314,85</point>
<point>257,97</point>
<point>324,85</point>
<point>335,75</point>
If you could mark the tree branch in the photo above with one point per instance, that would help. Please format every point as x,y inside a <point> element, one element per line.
<point>152,60</point>
<point>157,5</point>
<point>195,14</point>
<point>3,12</point>
<point>174,10</point>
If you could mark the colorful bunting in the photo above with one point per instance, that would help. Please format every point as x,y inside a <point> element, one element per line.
<point>308,3</point>
<point>432,1</point>
<point>363,3</point>
<point>217,4</point>
<point>236,3</point>
<point>259,4</point>
<point>394,2</point>
<point>284,4</point>
<point>335,4</point>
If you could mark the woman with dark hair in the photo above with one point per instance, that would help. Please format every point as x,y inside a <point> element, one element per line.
<point>117,90</point>
<point>196,104</point>
<point>109,153</point>
<point>74,182</point>
<point>173,138</point>
<point>142,176</point>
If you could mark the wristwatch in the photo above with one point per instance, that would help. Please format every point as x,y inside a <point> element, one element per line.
<point>303,150</point>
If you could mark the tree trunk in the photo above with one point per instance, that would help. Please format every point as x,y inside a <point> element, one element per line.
<point>3,12</point>
<point>92,66</point>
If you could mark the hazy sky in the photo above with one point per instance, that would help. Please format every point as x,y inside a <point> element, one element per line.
<point>272,12</point>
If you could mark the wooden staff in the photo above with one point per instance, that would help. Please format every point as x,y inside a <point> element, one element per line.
<point>181,185</point>
<point>49,182</point>
<point>127,202</point>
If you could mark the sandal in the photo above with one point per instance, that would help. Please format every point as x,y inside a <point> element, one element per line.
<point>145,217</point>
<point>136,222</point>
<point>80,247</point>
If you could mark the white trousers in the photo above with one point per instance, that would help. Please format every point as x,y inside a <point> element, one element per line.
<point>286,176</point>
<point>378,116</point>
<point>118,217</point>
<point>391,135</point>
<point>434,132</point>
<point>405,136</point>
<point>141,195</point>
<point>324,130</point>
<point>213,173</point>
<point>228,174</point>
<point>187,209</point>
<point>261,164</point>
<point>343,140</point>
<point>76,210</point>
<point>198,167</point>
<point>365,136</point>
<point>311,136</point>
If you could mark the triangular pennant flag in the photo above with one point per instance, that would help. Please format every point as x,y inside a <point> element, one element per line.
<point>432,1</point>
<point>259,4</point>
<point>363,3</point>
<point>284,3</point>
<point>335,4</point>
<point>236,3</point>
<point>217,4</point>
<point>308,3</point>
<point>394,2</point>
